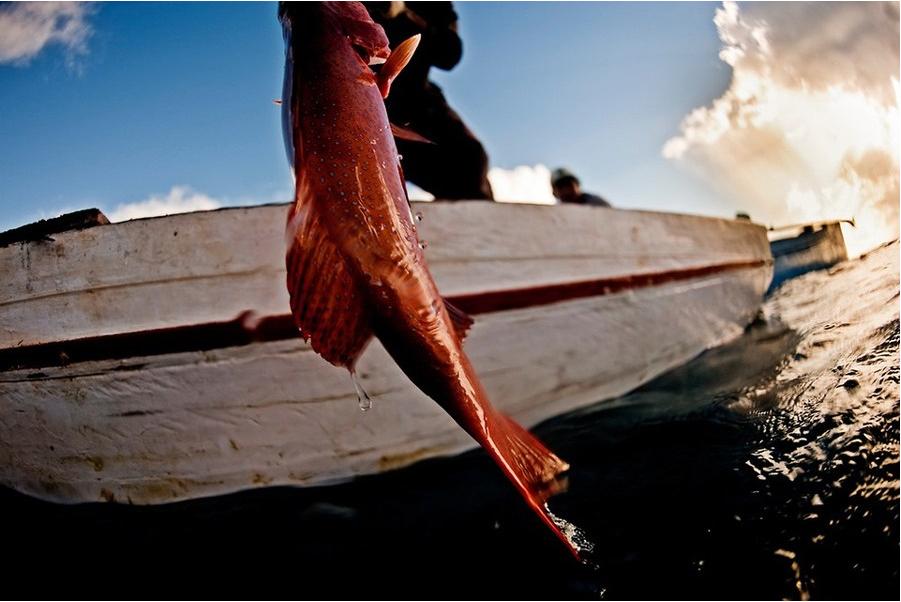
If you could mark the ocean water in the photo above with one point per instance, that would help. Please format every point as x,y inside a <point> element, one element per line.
<point>767,468</point>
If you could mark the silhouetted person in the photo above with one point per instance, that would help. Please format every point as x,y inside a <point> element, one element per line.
<point>567,189</point>
<point>455,166</point>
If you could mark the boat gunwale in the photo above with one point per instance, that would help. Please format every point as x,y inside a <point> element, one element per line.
<point>481,202</point>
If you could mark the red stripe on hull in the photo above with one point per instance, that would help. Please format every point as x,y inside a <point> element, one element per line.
<point>245,329</point>
<point>481,303</point>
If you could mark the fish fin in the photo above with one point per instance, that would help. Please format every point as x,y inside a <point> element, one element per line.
<point>399,58</point>
<point>327,306</point>
<point>538,464</point>
<point>460,319</point>
<point>532,468</point>
<point>408,134</point>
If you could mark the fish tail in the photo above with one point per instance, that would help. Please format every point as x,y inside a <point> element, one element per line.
<point>533,461</point>
<point>532,467</point>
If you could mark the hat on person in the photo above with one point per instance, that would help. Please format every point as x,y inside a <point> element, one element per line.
<point>560,174</point>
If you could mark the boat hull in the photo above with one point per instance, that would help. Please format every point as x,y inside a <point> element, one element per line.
<point>569,311</point>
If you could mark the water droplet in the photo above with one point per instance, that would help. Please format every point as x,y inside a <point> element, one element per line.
<point>363,397</point>
<point>423,244</point>
<point>418,216</point>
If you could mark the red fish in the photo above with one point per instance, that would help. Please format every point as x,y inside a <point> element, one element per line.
<point>355,265</point>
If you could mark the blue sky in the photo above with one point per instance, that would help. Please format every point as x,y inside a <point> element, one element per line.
<point>166,95</point>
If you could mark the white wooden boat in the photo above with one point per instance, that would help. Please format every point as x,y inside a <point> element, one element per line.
<point>131,370</point>
<point>805,248</point>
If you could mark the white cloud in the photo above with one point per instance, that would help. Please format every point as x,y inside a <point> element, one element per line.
<point>27,27</point>
<point>180,199</point>
<point>522,184</point>
<point>415,193</point>
<point>808,129</point>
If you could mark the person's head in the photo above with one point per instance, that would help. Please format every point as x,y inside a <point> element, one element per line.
<point>565,186</point>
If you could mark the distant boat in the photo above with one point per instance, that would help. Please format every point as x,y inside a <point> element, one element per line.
<point>155,360</point>
<point>805,248</point>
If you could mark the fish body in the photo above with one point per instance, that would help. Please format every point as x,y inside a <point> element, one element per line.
<point>355,265</point>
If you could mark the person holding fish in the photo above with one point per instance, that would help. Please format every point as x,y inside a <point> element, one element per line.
<point>455,165</point>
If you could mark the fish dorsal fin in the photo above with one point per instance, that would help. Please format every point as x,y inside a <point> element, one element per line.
<point>408,134</point>
<point>460,319</point>
<point>399,58</point>
<point>326,303</point>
